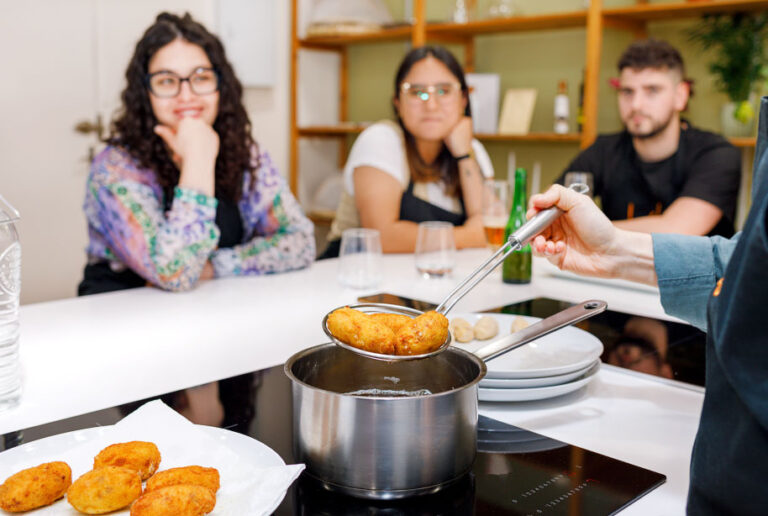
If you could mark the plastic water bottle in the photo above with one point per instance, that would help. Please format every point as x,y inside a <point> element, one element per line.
<point>10,286</point>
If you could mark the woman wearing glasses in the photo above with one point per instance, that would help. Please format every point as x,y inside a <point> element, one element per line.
<point>182,192</point>
<point>425,167</point>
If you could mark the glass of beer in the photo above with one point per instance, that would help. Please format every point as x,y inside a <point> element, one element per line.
<point>496,205</point>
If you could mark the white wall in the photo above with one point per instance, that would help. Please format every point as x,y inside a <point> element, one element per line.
<point>269,108</point>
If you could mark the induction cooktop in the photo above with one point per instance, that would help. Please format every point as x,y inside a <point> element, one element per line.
<point>516,472</point>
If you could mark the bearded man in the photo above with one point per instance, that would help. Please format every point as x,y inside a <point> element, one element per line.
<point>660,174</point>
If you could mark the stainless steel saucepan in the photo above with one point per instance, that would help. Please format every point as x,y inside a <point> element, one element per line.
<point>385,430</point>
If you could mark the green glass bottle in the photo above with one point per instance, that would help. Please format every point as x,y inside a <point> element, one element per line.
<point>517,266</point>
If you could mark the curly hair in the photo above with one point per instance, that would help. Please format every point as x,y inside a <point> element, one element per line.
<point>445,164</point>
<point>133,128</point>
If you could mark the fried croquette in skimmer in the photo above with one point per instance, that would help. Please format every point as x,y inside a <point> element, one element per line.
<point>190,475</point>
<point>104,489</point>
<point>184,500</point>
<point>422,334</point>
<point>393,321</point>
<point>361,331</point>
<point>140,456</point>
<point>35,487</point>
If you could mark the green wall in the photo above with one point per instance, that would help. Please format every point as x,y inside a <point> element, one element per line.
<point>532,59</point>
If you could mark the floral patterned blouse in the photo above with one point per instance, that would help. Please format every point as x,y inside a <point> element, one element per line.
<point>127,225</point>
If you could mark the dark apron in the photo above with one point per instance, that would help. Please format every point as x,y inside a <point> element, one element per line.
<point>729,467</point>
<point>412,209</point>
<point>99,277</point>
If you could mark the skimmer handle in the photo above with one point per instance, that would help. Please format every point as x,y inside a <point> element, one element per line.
<point>516,240</point>
<point>572,315</point>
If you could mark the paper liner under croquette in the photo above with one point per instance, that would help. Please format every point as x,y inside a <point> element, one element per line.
<point>36,487</point>
<point>104,489</point>
<point>140,456</point>
<point>184,500</point>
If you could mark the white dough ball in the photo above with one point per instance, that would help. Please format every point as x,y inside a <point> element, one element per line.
<point>461,330</point>
<point>518,324</point>
<point>486,328</point>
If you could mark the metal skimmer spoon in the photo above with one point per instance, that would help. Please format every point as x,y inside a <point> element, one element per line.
<point>516,241</point>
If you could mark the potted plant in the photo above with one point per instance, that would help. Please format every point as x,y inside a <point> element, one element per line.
<point>740,63</point>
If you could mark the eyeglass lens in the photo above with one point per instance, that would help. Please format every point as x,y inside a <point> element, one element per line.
<point>203,81</point>
<point>422,92</point>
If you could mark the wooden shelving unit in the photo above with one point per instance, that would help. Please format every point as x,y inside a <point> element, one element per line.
<point>743,142</point>
<point>593,19</point>
<point>531,137</point>
<point>680,10</point>
<point>394,34</point>
<point>513,24</point>
<point>329,131</point>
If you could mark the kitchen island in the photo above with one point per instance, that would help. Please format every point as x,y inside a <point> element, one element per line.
<point>87,354</point>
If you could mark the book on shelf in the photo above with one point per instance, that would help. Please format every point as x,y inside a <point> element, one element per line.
<point>517,111</point>
<point>484,101</point>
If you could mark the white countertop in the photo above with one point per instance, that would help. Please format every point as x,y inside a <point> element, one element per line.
<point>85,354</point>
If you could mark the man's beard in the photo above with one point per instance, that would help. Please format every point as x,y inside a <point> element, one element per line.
<point>656,129</point>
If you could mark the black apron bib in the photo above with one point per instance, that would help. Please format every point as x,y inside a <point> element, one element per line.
<point>418,210</point>
<point>99,277</point>
<point>412,209</point>
<point>729,467</point>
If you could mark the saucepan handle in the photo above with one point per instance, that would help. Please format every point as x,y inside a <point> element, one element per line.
<point>546,326</point>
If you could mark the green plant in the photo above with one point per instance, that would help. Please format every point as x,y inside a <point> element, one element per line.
<point>740,66</point>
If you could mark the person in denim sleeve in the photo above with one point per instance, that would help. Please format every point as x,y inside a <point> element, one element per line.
<point>717,284</point>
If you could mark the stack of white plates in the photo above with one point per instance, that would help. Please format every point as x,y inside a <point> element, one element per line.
<point>556,364</point>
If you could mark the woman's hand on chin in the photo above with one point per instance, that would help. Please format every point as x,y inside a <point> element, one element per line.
<point>459,140</point>
<point>192,138</point>
<point>194,146</point>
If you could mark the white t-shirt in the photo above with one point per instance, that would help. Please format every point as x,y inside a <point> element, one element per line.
<point>382,146</point>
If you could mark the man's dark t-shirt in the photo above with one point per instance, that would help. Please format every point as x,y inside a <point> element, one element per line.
<point>705,167</point>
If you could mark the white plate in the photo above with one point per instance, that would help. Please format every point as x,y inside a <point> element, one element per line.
<point>524,383</point>
<point>26,455</point>
<point>538,393</point>
<point>564,351</point>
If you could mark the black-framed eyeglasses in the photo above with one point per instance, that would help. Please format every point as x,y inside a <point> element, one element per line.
<point>164,84</point>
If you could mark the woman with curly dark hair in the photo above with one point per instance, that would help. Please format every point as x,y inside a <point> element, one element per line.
<point>182,191</point>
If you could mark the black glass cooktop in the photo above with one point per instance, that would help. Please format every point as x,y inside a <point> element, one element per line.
<point>516,472</point>
<point>652,346</point>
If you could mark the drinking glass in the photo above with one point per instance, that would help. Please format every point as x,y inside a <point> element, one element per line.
<point>496,204</point>
<point>360,258</point>
<point>574,177</point>
<point>435,249</point>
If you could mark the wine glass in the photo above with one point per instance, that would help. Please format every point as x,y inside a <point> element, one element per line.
<point>435,249</point>
<point>360,258</point>
<point>586,178</point>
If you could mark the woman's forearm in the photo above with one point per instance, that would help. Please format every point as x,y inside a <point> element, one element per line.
<point>399,236</point>
<point>471,180</point>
